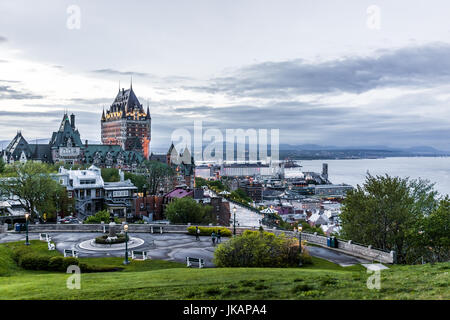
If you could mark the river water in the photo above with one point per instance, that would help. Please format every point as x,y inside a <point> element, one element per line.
<point>353,172</point>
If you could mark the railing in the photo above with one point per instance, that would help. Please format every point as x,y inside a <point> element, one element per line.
<point>363,251</point>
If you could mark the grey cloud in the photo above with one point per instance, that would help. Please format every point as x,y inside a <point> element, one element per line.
<point>426,65</point>
<point>95,101</point>
<point>6,92</point>
<point>122,73</point>
<point>3,39</point>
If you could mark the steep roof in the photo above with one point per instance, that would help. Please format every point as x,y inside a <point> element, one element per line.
<point>41,152</point>
<point>126,101</point>
<point>114,150</point>
<point>17,145</point>
<point>65,133</point>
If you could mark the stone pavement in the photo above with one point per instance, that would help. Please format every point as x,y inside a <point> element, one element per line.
<point>172,247</point>
<point>167,246</point>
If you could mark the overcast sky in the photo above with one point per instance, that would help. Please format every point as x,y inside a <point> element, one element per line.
<point>322,72</point>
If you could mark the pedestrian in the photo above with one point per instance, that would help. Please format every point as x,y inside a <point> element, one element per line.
<point>218,236</point>
<point>197,233</point>
<point>213,238</point>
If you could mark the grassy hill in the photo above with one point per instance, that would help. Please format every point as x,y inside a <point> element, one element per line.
<point>155,279</point>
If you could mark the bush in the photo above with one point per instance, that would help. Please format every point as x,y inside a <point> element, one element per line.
<point>187,210</point>
<point>69,261</point>
<point>99,217</point>
<point>56,263</point>
<point>207,231</point>
<point>302,288</point>
<point>305,257</point>
<point>31,261</point>
<point>257,249</point>
<point>103,239</point>
<point>88,268</point>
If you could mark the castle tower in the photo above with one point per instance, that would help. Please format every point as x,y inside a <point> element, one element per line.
<point>126,123</point>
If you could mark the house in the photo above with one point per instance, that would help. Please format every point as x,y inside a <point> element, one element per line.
<point>92,194</point>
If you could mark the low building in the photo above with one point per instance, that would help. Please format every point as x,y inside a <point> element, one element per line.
<point>254,191</point>
<point>204,172</point>
<point>119,198</point>
<point>332,189</point>
<point>248,170</point>
<point>150,206</point>
<point>221,210</point>
<point>92,194</point>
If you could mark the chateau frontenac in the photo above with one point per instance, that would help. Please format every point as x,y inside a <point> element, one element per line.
<point>126,124</point>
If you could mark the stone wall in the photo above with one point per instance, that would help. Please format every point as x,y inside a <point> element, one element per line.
<point>99,228</point>
<point>365,252</point>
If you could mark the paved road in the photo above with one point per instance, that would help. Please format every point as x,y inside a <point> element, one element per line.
<point>339,258</point>
<point>244,216</point>
<point>172,247</point>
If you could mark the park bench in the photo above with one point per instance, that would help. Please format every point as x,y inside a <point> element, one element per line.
<point>154,229</point>
<point>69,252</point>
<point>199,261</point>
<point>44,237</point>
<point>51,246</point>
<point>143,255</point>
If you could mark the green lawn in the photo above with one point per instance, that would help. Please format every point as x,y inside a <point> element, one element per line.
<point>155,279</point>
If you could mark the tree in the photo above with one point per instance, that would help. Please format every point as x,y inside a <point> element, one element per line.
<point>200,182</point>
<point>2,166</point>
<point>432,239</point>
<point>110,175</point>
<point>240,195</point>
<point>187,210</point>
<point>158,175</point>
<point>385,211</point>
<point>137,179</point>
<point>33,186</point>
<point>258,249</point>
<point>100,216</point>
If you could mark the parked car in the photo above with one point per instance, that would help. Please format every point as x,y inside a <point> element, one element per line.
<point>69,219</point>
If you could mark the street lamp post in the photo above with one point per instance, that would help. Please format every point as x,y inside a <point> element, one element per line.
<point>234,220</point>
<point>300,245</point>
<point>27,215</point>
<point>125,228</point>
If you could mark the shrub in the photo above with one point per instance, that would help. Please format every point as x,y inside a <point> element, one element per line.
<point>69,261</point>
<point>31,261</point>
<point>327,281</point>
<point>206,231</point>
<point>302,288</point>
<point>305,257</point>
<point>56,263</point>
<point>88,268</point>
<point>103,239</point>
<point>257,249</point>
<point>187,210</point>
<point>100,216</point>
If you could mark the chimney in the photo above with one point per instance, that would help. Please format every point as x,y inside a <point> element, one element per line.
<point>72,120</point>
<point>325,171</point>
